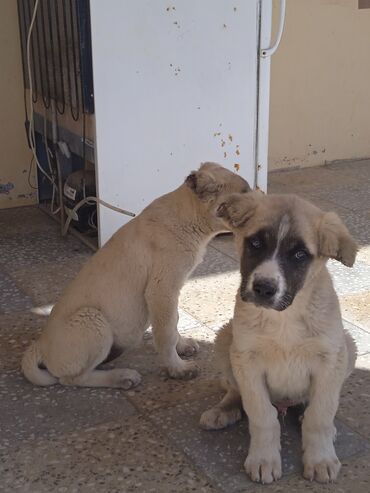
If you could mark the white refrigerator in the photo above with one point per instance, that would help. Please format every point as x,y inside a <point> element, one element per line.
<point>176,83</point>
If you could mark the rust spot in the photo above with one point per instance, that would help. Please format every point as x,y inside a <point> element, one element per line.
<point>230,138</point>
<point>223,143</point>
<point>259,167</point>
<point>237,152</point>
<point>237,166</point>
<point>216,134</point>
<point>225,154</point>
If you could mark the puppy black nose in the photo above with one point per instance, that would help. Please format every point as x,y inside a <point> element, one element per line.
<point>265,288</point>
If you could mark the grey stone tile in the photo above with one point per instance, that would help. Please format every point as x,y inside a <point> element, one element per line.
<point>12,298</point>
<point>355,308</point>
<point>187,322</point>
<point>29,412</point>
<point>46,282</point>
<point>312,179</point>
<point>129,456</point>
<point>209,295</point>
<point>157,390</point>
<point>358,224</point>
<point>350,280</point>
<point>364,254</point>
<point>25,220</point>
<point>353,477</point>
<point>354,407</point>
<point>13,343</point>
<point>22,250</point>
<point>361,337</point>
<point>225,244</point>
<point>221,454</point>
<point>214,263</point>
<point>211,299</point>
<point>352,196</point>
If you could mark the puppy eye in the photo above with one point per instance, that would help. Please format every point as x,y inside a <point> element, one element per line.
<point>255,242</point>
<point>301,254</point>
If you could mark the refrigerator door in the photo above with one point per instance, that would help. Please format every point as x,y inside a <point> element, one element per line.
<point>176,84</point>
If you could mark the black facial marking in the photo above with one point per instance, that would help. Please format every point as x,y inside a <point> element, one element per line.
<point>257,248</point>
<point>293,258</point>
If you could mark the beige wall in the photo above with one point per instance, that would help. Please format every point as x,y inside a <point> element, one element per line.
<point>14,153</point>
<point>320,85</point>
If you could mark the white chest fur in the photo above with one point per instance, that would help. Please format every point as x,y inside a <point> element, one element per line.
<point>281,349</point>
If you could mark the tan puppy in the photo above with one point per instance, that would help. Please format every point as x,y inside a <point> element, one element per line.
<point>286,342</point>
<point>133,281</point>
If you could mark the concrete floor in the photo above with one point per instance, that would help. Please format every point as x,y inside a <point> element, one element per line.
<point>60,439</point>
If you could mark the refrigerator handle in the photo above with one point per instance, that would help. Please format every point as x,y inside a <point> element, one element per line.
<point>267,52</point>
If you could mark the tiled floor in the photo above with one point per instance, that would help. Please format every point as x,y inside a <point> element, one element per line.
<point>147,440</point>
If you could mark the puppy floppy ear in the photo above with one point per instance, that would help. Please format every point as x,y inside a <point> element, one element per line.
<point>203,184</point>
<point>335,240</point>
<point>238,208</point>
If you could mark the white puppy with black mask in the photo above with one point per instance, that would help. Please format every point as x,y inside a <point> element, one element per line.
<point>286,342</point>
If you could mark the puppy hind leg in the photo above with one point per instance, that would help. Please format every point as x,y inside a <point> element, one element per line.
<point>225,413</point>
<point>84,344</point>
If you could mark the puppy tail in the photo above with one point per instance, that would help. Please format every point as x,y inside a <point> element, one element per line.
<point>31,362</point>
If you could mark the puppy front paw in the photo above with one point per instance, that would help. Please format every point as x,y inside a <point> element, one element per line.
<point>324,468</point>
<point>217,418</point>
<point>186,371</point>
<point>263,467</point>
<point>187,347</point>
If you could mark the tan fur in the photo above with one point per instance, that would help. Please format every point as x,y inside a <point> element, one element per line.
<point>302,353</point>
<point>134,281</point>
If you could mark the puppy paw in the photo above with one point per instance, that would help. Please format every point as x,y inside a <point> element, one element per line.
<point>217,418</point>
<point>322,469</point>
<point>263,467</point>
<point>187,346</point>
<point>126,379</point>
<point>186,371</point>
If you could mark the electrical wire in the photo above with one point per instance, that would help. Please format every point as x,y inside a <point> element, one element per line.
<point>90,201</point>
<point>30,166</point>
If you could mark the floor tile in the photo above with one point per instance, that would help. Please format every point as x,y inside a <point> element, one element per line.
<point>353,478</point>
<point>13,344</point>
<point>221,454</point>
<point>117,457</point>
<point>225,244</point>
<point>215,263</point>
<point>350,280</point>
<point>158,391</point>
<point>354,407</point>
<point>311,179</point>
<point>356,309</point>
<point>45,282</point>
<point>12,299</point>
<point>211,299</point>
<point>25,220</point>
<point>364,254</point>
<point>19,250</point>
<point>361,337</point>
<point>29,412</point>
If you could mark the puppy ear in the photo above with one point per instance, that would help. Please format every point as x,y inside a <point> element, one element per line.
<point>203,184</point>
<point>238,208</point>
<point>335,240</point>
